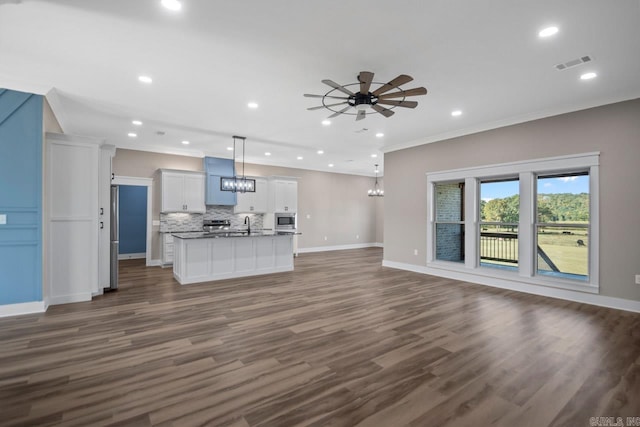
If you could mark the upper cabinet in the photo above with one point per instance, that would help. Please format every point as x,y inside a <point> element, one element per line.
<point>215,168</point>
<point>253,202</point>
<point>283,195</point>
<point>182,191</point>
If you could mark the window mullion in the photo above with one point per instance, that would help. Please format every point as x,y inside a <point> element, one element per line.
<point>526,236</point>
<point>471,203</point>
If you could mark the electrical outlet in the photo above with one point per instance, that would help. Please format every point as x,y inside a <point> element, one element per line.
<point>3,219</point>
<point>308,216</point>
<point>325,238</point>
<point>415,252</point>
<point>637,279</point>
<point>357,236</point>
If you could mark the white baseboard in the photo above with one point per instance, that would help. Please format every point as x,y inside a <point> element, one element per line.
<point>66,299</point>
<point>338,247</point>
<point>140,255</point>
<point>154,262</point>
<point>22,308</point>
<point>564,294</point>
<point>378,245</point>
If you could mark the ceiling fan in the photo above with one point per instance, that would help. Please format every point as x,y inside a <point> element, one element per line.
<point>363,101</point>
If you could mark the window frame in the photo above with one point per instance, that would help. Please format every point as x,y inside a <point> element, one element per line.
<point>481,222</point>
<point>460,222</point>
<point>527,171</point>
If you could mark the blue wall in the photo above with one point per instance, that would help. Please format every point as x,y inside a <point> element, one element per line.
<point>20,197</point>
<point>133,219</point>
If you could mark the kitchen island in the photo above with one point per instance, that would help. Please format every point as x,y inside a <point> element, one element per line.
<point>203,257</point>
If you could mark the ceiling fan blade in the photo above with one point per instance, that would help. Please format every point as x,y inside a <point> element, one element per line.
<point>398,81</point>
<point>365,78</point>
<point>338,87</point>
<point>325,106</point>
<point>407,104</point>
<point>337,113</point>
<point>385,112</point>
<point>404,93</point>
<point>361,115</point>
<point>308,95</point>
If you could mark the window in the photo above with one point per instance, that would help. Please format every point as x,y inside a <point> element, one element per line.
<point>562,225</point>
<point>499,219</point>
<point>449,223</point>
<point>530,222</point>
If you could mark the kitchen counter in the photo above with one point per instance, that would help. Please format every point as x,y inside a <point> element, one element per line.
<point>232,233</point>
<point>209,256</point>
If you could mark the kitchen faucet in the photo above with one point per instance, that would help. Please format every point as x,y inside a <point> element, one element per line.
<point>247,221</point>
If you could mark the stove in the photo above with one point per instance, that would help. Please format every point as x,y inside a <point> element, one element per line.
<point>209,226</point>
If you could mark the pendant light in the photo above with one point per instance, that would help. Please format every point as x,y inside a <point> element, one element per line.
<point>235,183</point>
<point>376,191</point>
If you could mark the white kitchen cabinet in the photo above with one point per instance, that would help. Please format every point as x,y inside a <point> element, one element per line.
<point>167,249</point>
<point>283,193</point>
<point>182,191</point>
<point>72,215</point>
<point>254,202</point>
<point>104,194</point>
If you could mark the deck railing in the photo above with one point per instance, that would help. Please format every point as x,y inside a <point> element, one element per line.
<point>503,248</point>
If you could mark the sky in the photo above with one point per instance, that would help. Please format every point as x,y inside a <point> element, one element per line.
<point>572,184</point>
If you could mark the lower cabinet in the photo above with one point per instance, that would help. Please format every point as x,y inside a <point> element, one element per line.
<point>167,249</point>
<point>203,260</point>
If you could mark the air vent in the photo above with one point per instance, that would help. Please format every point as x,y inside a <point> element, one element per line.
<point>573,63</point>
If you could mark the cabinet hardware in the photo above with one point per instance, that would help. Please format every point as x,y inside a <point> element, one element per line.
<point>101,211</point>
<point>101,225</point>
<point>113,176</point>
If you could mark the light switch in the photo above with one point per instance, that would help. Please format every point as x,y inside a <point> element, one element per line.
<point>3,219</point>
<point>308,216</point>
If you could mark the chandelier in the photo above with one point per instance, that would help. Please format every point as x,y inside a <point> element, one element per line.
<point>235,183</point>
<point>376,191</point>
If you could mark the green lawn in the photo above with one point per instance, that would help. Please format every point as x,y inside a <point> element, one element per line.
<point>567,247</point>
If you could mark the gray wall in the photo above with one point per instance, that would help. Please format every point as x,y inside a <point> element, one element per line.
<point>613,130</point>
<point>337,204</point>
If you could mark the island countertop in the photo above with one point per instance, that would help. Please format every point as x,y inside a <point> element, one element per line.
<point>232,233</point>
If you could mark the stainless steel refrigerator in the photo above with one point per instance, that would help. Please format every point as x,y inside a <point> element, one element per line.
<point>115,242</point>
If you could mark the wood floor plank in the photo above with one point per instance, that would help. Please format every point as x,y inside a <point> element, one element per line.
<point>339,341</point>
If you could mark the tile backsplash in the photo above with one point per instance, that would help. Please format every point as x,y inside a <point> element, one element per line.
<point>182,222</point>
<point>237,220</point>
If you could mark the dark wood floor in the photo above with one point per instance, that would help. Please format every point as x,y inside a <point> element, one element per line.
<point>340,341</point>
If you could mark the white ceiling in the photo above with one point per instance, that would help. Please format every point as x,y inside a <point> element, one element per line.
<point>210,59</point>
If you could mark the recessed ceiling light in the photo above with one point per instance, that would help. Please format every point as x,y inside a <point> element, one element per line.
<point>456,113</point>
<point>229,148</point>
<point>326,122</point>
<point>137,122</point>
<point>145,79</point>
<point>252,105</point>
<point>548,32</point>
<point>186,142</point>
<point>132,134</point>
<point>174,5</point>
<point>267,154</point>
<point>330,165</point>
<point>588,76</point>
<point>379,135</point>
<point>374,155</point>
<point>320,151</point>
<point>300,157</point>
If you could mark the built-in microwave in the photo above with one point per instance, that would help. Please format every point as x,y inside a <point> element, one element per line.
<point>285,221</point>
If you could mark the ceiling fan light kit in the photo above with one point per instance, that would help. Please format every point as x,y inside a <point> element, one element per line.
<point>363,101</point>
